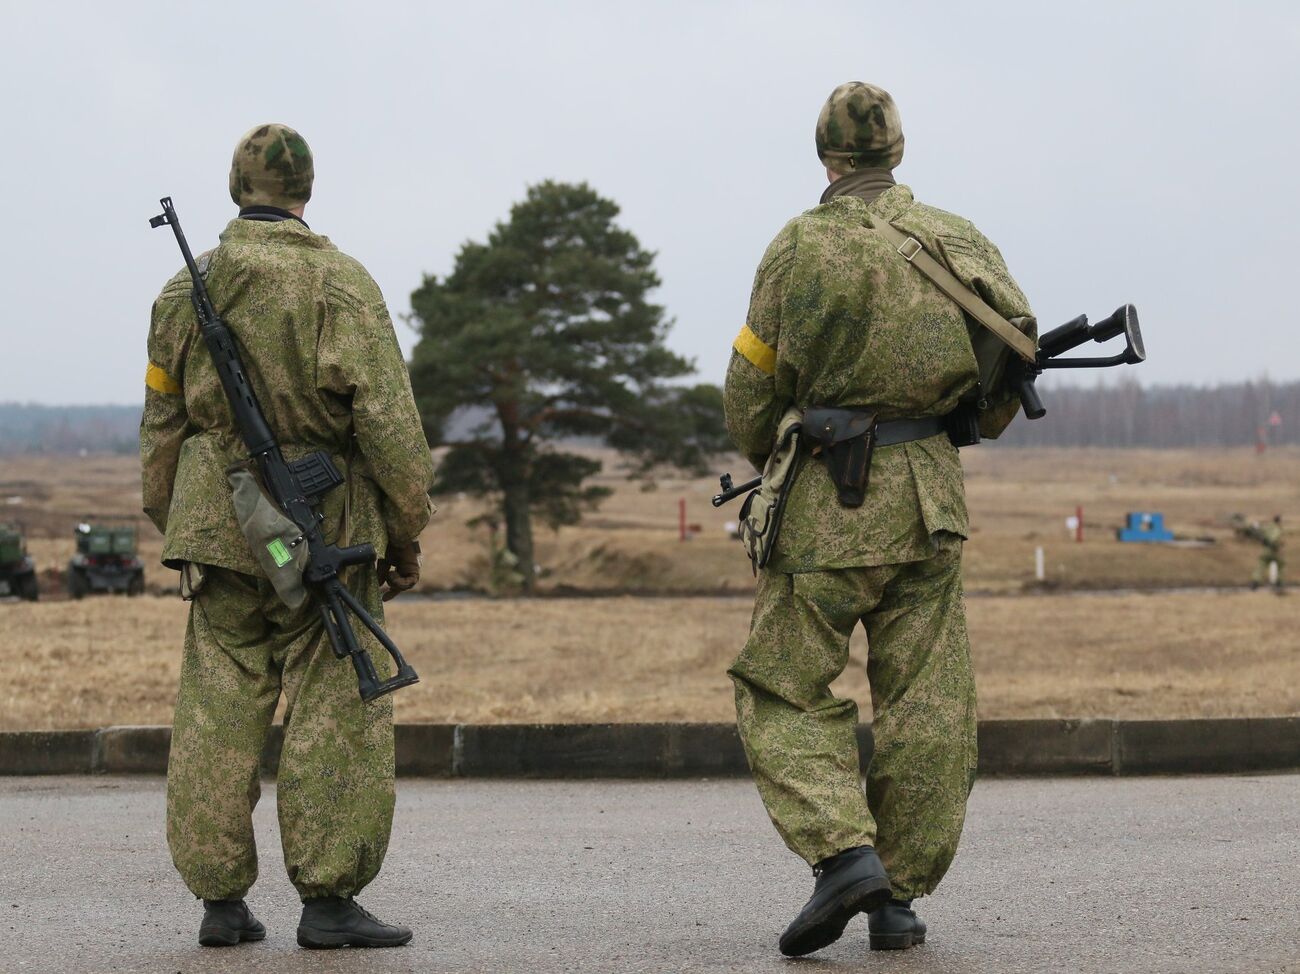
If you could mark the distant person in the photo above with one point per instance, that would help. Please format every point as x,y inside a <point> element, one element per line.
<point>1269,537</point>
<point>838,318</point>
<point>325,365</point>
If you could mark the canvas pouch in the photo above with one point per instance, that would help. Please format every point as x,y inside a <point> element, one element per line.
<point>277,543</point>
<point>762,512</point>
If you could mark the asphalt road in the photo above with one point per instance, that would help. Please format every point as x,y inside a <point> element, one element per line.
<point>1082,875</point>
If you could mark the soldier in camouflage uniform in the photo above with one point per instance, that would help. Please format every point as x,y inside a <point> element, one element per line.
<point>837,318</point>
<point>323,359</point>
<point>1269,536</point>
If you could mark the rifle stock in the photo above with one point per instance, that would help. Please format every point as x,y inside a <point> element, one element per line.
<point>1072,334</point>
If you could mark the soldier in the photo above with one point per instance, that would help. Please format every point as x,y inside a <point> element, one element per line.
<point>324,362</point>
<point>1269,537</point>
<point>838,318</point>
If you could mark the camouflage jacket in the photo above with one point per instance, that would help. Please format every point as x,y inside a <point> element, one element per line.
<point>837,318</point>
<point>323,359</point>
<point>1272,538</point>
<point>1268,535</point>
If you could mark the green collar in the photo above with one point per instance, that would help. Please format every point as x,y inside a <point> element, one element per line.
<point>890,204</point>
<point>293,233</point>
<point>866,184</point>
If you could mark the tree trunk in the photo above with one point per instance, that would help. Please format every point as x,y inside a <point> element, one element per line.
<point>519,530</point>
<point>516,504</point>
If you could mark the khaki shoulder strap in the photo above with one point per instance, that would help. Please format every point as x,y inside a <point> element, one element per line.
<point>910,249</point>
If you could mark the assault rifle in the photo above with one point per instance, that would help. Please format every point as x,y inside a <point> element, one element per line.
<point>1072,334</point>
<point>963,424</point>
<point>296,488</point>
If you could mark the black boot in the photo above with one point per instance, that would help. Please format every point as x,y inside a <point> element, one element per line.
<point>336,921</point>
<point>227,922</point>
<point>850,882</point>
<point>895,926</point>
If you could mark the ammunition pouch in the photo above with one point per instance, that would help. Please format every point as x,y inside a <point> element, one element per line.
<point>764,508</point>
<point>963,424</point>
<point>845,440</point>
<point>277,543</point>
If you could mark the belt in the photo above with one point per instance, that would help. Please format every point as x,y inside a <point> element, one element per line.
<point>905,430</point>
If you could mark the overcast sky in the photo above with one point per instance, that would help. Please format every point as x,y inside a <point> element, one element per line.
<point>1116,151</point>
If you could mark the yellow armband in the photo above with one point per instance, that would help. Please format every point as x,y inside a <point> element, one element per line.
<point>159,381</point>
<point>757,352</point>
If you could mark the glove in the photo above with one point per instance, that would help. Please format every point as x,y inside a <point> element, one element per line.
<point>399,569</point>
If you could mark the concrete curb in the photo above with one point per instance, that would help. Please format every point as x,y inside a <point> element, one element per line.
<point>47,752</point>
<point>1030,747</point>
<point>1207,746</point>
<point>1007,747</point>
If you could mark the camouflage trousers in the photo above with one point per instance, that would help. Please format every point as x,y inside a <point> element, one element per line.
<point>1261,574</point>
<point>243,648</point>
<point>801,739</point>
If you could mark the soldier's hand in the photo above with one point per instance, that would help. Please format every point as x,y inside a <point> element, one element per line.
<point>399,569</point>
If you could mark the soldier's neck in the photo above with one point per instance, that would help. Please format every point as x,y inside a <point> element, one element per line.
<point>865,183</point>
<point>270,214</point>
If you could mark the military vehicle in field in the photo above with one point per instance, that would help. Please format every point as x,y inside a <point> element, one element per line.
<point>106,560</point>
<point>17,570</point>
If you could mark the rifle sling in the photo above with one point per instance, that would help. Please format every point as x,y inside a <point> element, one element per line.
<point>910,249</point>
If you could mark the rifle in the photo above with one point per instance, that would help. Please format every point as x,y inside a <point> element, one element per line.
<point>296,488</point>
<point>963,425</point>
<point>730,491</point>
<point>1072,334</point>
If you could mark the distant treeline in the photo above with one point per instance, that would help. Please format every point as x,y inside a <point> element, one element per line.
<point>1123,415</point>
<point>28,428</point>
<point>1126,414</point>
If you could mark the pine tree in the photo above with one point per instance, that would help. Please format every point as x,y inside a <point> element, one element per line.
<point>547,331</point>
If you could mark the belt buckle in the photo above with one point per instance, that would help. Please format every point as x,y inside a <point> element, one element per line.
<point>909,248</point>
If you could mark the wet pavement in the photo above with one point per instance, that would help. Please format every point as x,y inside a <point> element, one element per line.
<point>1061,875</point>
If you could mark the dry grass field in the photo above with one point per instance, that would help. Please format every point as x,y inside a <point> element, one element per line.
<point>1019,500</point>
<point>106,661</point>
<point>1063,649</point>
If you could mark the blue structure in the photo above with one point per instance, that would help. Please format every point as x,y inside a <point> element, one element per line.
<point>1145,526</point>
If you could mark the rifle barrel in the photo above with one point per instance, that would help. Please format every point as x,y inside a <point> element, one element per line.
<point>733,492</point>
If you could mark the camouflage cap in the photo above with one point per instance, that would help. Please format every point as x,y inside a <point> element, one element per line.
<point>272,167</point>
<point>859,128</point>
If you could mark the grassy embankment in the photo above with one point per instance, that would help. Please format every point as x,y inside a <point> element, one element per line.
<point>114,661</point>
